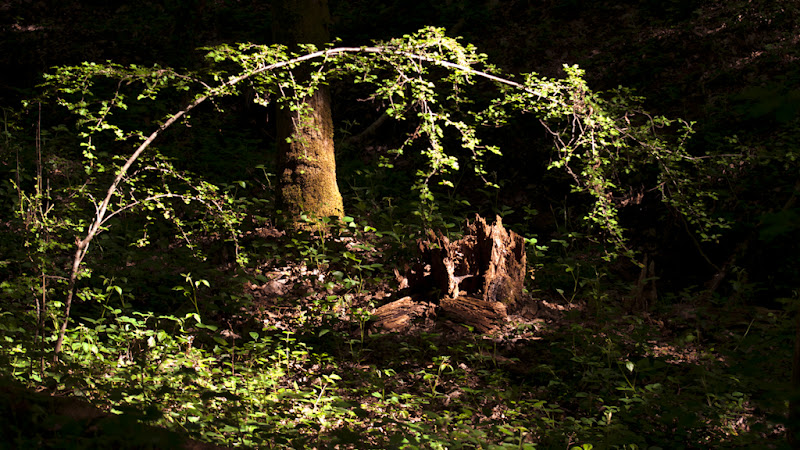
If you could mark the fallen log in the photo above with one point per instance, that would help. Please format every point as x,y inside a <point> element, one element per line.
<point>400,315</point>
<point>482,315</point>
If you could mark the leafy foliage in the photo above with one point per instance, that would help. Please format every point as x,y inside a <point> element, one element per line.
<point>302,383</point>
<point>598,141</point>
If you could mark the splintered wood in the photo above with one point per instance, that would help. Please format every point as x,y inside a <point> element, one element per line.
<point>476,279</point>
<point>488,263</point>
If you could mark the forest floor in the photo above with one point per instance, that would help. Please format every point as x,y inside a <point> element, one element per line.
<point>302,364</point>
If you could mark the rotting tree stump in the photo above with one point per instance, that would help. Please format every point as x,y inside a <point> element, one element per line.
<point>487,263</point>
<point>478,280</point>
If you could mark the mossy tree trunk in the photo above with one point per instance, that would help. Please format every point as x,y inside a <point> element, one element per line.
<point>306,162</point>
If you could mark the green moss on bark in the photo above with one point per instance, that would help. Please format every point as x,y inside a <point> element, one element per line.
<point>308,166</point>
<point>306,159</point>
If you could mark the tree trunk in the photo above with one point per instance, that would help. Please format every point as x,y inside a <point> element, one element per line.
<point>306,163</point>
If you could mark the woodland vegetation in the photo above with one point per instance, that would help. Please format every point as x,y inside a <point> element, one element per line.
<point>464,224</point>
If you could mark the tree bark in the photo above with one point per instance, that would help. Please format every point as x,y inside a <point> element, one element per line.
<point>306,162</point>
